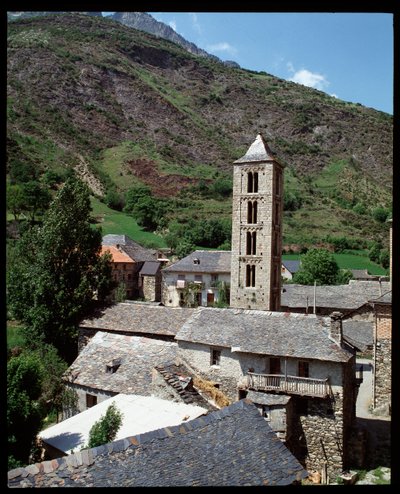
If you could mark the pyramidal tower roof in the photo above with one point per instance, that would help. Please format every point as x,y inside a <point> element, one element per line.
<point>258,151</point>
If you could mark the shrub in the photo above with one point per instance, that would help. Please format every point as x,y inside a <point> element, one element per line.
<point>106,428</point>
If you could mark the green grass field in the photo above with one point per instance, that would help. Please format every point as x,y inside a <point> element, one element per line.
<point>349,261</point>
<point>116,222</point>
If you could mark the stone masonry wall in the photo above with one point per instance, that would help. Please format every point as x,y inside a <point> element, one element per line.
<point>383,375</point>
<point>265,295</point>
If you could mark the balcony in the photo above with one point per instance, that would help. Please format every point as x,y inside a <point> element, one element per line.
<point>303,386</point>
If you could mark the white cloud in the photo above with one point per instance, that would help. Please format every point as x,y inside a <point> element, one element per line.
<point>222,47</point>
<point>172,24</point>
<point>334,95</point>
<point>195,23</point>
<point>308,78</point>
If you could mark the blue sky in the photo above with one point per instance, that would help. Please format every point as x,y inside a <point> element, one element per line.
<point>348,55</point>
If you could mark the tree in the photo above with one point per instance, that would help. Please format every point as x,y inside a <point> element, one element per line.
<point>36,198</point>
<point>15,200</point>
<point>317,265</point>
<point>24,413</point>
<point>59,270</point>
<point>106,428</point>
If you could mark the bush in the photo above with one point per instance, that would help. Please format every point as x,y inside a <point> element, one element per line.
<point>114,200</point>
<point>384,258</point>
<point>106,428</point>
<point>380,214</point>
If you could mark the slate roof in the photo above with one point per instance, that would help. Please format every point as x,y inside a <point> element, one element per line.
<point>360,334</point>
<point>132,248</point>
<point>264,333</point>
<point>218,449</point>
<point>211,261</point>
<point>140,414</point>
<point>350,296</point>
<point>138,357</point>
<point>150,268</point>
<point>386,298</point>
<point>258,151</point>
<point>139,318</point>
<point>292,266</point>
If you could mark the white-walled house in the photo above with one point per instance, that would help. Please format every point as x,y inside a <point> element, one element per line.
<point>299,356</point>
<point>196,279</point>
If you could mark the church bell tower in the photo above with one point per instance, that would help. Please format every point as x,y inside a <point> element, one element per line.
<point>257,206</point>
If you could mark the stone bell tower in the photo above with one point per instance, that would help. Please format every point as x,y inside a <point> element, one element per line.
<point>257,206</point>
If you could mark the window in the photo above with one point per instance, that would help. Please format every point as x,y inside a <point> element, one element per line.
<point>274,365</point>
<point>250,275</point>
<point>215,357</point>
<point>91,400</point>
<point>252,182</point>
<point>214,278</point>
<point>251,242</point>
<point>198,277</point>
<point>198,298</point>
<point>303,368</point>
<point>252,212</point>
<point>129,277</point>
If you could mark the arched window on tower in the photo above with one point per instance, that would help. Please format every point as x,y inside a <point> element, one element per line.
<point>250,275</point>
<point>251,243</point>
<point>250,182</point>
<point>252,212</point>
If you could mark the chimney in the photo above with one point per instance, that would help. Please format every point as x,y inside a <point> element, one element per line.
<point>336,328</point>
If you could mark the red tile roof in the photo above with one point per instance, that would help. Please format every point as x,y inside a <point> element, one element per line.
<point>117,255</point>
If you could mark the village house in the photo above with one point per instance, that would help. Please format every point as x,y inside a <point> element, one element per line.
<point>134,267</point>
<point>218,449</point>
<point>303,359</point>
<point>289,268</point>
<point>134,319</point>
<point>113,363</point>
<point>197,279</point>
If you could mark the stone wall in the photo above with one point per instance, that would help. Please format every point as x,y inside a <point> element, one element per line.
<point>82,391</point>
<point>383,376</point>
<point>151,288</point>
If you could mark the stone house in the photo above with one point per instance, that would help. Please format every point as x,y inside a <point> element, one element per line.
<point>197,279</point>
<point>150,280</point>
<point>302,359</point>
<point>122,268</point>
<point>219,449</point>
<point>134,319</point>
<point>138,255</point>
<point>351,299</point>
<point>112,363</point>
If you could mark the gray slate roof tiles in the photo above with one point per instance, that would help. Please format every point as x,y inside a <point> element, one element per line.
<point>138,357</point>
<point>203,452</point>
<point>291,265</point>
<point>258,151</point>
<point>350,296</point>
<point>139,318</point>
<point>263,332</point>
<point>211,261</point>
<point>360,334</point>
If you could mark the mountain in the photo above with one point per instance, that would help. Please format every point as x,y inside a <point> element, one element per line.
<point>122,106</point>
<point>146,22</point>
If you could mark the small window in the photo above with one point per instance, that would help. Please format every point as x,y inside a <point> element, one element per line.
<point>303,368</point>
<point>91,400</point>
<point>129,277</point>
<point>250,276</point>
<point>198,277</point>
<point>215,356</point>
<point>113,366</point>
